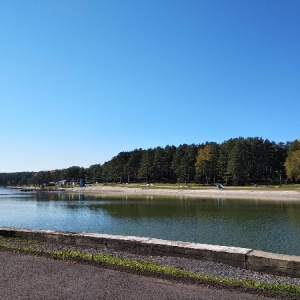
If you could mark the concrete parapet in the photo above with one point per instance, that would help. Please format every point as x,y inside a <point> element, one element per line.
<point>272,263</point>
<point>233,256</point>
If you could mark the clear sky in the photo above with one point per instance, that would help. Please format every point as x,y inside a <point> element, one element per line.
<point>81,81</point>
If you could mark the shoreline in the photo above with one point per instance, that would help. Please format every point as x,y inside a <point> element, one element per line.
<point>268,194</point>
<point>246,260</point>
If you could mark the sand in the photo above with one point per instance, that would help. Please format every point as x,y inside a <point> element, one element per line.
<point>234,193</point>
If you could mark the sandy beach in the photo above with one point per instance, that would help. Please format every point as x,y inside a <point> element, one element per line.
<point>255,193</point>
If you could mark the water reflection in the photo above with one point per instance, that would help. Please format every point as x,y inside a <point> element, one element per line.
<point>272,226</point>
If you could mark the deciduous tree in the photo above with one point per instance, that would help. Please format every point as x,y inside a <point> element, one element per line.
<point>292,165</point>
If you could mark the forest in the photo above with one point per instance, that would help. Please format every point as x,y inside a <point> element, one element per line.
<point>238,161</point>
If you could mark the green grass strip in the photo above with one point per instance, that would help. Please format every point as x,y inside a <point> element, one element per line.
<point>150,267</point>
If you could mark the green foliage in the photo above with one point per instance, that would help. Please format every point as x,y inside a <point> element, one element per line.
<point>183,163</point>
<point>207,162</point>
<point>292,165</point>
<point>94,172</point>
<point>146,167</point>
<point>236,161</point>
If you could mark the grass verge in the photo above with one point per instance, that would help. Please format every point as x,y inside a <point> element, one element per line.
<point>150,269</point>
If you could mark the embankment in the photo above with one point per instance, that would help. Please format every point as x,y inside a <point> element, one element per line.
<point>254,193</point>
<point>250,259</point>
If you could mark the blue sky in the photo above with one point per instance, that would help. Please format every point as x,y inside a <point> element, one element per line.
<point>81,81</point>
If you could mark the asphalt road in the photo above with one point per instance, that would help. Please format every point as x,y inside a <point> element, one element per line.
<point>29,277</point>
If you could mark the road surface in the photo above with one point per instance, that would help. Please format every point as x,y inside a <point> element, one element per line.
<point>30,277</point>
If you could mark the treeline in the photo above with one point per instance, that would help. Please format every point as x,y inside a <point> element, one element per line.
<point>236,161</point>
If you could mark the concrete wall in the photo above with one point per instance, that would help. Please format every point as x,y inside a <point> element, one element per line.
<point>277,264</point>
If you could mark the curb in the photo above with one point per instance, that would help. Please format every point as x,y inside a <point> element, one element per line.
<point>272,263</point>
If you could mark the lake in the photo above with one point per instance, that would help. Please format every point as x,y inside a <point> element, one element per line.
<point>272,226</point>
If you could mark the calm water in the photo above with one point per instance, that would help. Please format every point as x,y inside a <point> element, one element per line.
<point>272,226</point>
